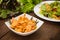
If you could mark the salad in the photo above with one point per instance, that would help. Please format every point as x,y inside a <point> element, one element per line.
<point>51,10</point>
<point>12,7</point>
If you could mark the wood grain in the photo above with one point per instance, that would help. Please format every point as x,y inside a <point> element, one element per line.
<point>48,31</point>
<point>3,28</point>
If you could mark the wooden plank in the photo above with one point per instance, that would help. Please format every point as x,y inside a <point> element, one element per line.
<point>46,32</point>
<point>3,28</point>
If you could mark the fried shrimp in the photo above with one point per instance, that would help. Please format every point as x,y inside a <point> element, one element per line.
<point>23,24</point>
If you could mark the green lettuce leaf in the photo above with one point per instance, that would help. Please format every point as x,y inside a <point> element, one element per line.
<point>3,14</point>
<point>27,7</point>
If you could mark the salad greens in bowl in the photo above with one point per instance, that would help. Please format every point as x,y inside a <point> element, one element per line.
<point>48,10</point>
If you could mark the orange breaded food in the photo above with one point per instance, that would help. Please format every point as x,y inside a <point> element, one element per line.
<point>23,24</point>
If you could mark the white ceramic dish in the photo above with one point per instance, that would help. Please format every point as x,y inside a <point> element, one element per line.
<point>37,10</point>
<point>39,24</point>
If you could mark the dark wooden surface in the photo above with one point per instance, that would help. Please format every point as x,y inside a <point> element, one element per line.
<point>48,31</point>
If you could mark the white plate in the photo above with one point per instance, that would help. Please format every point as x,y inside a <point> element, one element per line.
<point>37,10</point>
<point>39,24</point>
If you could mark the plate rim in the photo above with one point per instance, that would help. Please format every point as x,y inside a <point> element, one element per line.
<point>43,17</point>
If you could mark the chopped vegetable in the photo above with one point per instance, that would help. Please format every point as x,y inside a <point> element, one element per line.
<point>51,10</point>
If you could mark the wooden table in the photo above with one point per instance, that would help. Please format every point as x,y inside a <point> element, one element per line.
<point>48,31</point>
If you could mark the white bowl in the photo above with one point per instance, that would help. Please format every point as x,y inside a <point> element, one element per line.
<point>37,11</point>
<point>39,24</point>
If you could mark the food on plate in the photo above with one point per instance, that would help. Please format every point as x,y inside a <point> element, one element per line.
<point>51,10</point>
<point>23,24</point>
